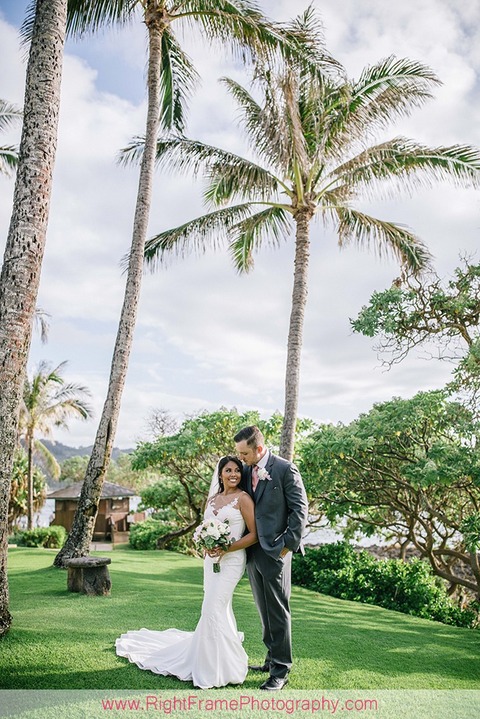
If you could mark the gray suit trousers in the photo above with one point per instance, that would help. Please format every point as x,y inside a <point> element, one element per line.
<point>272,598</point>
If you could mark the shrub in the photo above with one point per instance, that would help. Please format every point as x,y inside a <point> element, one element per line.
<point>50,537</point>
<point>145,535</point>
<point>408,587</point>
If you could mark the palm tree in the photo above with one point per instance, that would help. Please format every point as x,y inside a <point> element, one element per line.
<point>170,80</point>
<point>9,114</point>
<point>18,504</point>
<point>48,401</point>
<point>313,158</point>
<point>23,256</point>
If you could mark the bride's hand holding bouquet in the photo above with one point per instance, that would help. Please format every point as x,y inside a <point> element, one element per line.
<point>214,537</point>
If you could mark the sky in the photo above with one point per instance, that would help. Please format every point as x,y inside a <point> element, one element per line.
<point>207,337</point>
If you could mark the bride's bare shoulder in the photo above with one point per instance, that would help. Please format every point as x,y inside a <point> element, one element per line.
<point>245,498</point>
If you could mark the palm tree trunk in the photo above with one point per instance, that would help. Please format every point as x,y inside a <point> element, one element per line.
<point>30,480</point>
<point>295,333</point>
<point>23,256</point>
<point>80,536</point>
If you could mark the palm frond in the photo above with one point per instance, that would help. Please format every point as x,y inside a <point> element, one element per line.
<point>249,107</point>
<point>271,224</point>
<point>43,377</point>
<point>194,237</point>
<point>238,178</point>
<point>389,89</point>
<point>241,25</point>
<point>85,16</point>
<point>177,81</point>
<point>132,153</point>
<point>305,35</point>
<point>460,163</point>
<point>41,323</point>
<point>65,405</point>
<point>26,28</point>
<point>181,155</point>
<point>411,162</point>
<point>8,160</point>
<point>384,237</point>
<point>9,114</point>
<point>70,391</point>
<point>48,459</point>
<point>176,154</point>
<point>290,91</point>
<point>405,74</point>
<point>267,126</point>
<point>333,198</point>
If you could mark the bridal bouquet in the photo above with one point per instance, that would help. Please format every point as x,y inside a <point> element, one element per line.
<point>211,534</point>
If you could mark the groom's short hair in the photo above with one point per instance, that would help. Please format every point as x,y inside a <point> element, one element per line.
<point>252,436</point>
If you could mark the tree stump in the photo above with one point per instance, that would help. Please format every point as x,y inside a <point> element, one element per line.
<point>89,575</point>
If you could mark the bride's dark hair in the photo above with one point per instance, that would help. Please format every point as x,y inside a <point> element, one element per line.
<point>222,463</point>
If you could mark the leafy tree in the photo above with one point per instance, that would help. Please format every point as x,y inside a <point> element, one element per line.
<point>186,461</point>
<point>312,156</point>
<point>25,244</point>
<point>436,314</point>
<point>171,78</point>
<point>73,469</point>
<point>48,401</point>
<point>122,472</point>
<point>408,468</point>
<point>119,472</point>
<point>9,114</point>
<point>19,495</point>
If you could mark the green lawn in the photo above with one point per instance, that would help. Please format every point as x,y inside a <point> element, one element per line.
<point>61,640</point>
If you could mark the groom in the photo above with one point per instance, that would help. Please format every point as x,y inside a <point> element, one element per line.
<point>281,510</point>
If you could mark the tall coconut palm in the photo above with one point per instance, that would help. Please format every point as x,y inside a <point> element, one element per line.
<point>313,157</point>
<point>48,401</point>
<point>9,114</point>
<point>170,79</point>
<point>23,256</point>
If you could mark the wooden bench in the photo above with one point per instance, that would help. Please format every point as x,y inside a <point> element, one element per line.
<point>89,575</point>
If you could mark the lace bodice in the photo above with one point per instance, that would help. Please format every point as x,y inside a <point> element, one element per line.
<point>230,511</point>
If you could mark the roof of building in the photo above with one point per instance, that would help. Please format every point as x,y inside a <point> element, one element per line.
<point>108,490</point>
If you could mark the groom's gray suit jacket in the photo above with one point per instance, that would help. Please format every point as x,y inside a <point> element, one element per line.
<point>281,511</point>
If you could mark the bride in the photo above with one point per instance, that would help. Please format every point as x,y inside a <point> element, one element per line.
<point>212,655</point>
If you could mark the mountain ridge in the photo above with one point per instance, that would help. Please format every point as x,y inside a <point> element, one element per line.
<point>63,451</point>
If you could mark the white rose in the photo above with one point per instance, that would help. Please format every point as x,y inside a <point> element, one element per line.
<point>212,531</point>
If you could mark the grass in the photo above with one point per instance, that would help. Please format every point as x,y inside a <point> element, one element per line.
<point>60,640</point>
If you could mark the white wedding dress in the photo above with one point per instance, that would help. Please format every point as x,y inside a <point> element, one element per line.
<point>212,655</point>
